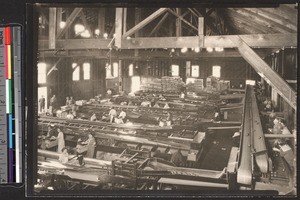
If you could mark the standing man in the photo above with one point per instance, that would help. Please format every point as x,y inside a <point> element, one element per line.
<point>53,103</point>
<point>122,115</point>
<point>42,103</point>
<point>112,114</point>
<point>60,141</point>
<point>91,144</point>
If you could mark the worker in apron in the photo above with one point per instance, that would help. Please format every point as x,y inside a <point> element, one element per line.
<point>60,141</point>
<point>91,144</point>
<point>112,114</point>
<point>64,156</point>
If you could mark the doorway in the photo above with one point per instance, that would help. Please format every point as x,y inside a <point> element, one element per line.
<point>42,91</point>
<point>135,83</point>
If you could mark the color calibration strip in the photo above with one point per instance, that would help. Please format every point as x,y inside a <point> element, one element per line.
<point>10,107</point>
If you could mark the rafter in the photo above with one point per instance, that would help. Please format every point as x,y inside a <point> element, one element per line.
<point>273,19</point>
<point>159,24</point>
<point>69,21</point>
<point>185,21</point>
<point>145,22</point>
<point>52,28</point>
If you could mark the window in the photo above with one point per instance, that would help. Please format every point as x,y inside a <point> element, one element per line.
<point>216,71</point>
<point>86,71</point>
<point>116,69</point>
<point>108,71</point>
<point>175,70</point>
<point>195,70</point>
<point>130,72</point>
<point>42,75</point>
<point>76,72</point>
<point>250,82</point>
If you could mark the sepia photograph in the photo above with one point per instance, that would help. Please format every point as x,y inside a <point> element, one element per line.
<point>189,98</point>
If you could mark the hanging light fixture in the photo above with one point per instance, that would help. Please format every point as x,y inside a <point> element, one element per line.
<point>62,24</point>
<point>184,50</point>
<point>197,49</point>
<point>85,34</point>
<point>209,49</point>
<point>219,49</point>
<point>97,32</point>
<point>105,35</point>
<point>79,28</point>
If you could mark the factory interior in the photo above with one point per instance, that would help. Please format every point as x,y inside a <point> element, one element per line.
<point>156,98</point>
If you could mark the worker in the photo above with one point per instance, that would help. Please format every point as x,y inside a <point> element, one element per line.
<point>109,93</point>
<point>60,141</point>
<point>269,106</point>
<point>161,123</point>
<point>71,101</point>
<point>67,101</point>
<point>169,119</point>
<point>53,105</point>
<point>94,117</point>
<point>156,105</point>
<point>112,114</point>
<point>79,152</point>
<point>166,106</point>
<point>70,115</point>
<point>42,104</point>
<point>236,138</point>
<point>64,156</point>
<point>177,158</point>
<point>182,95</point>
<point>91,144</point>
<point>122,115</point>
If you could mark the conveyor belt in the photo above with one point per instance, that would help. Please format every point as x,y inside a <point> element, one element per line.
<point>252,144</point>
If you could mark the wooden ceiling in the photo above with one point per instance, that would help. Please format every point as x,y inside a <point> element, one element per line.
<point>281,19</point>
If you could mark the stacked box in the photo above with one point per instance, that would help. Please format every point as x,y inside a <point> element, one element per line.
<point>171,84</point>
<point>151,84</point>
<point>195,86</point>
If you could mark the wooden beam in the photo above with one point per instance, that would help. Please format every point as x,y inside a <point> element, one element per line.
<point>52,27</point>
<point>145,22</point>
<point>159,24</point>
<point>193,12</point>
<point>266,72</point>
<point>124,21</point>
<point>58,18</point>
<point>137,20</point>
<point>54,66</point>
<point>101,21</point>
<point>118,27</point>
<point>254,41</point>
<point>258,40</point>
<point>201,30</point>
<point>178,24</point>
<point>278,136</point>
<point>143,54</point>
<point>69,21</point>
<point>181,18</point>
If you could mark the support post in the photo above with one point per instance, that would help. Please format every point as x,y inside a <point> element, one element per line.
<point>101,21</point>
<point>52,27</point>
<point>201,31</point>
<point>118,27</point>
